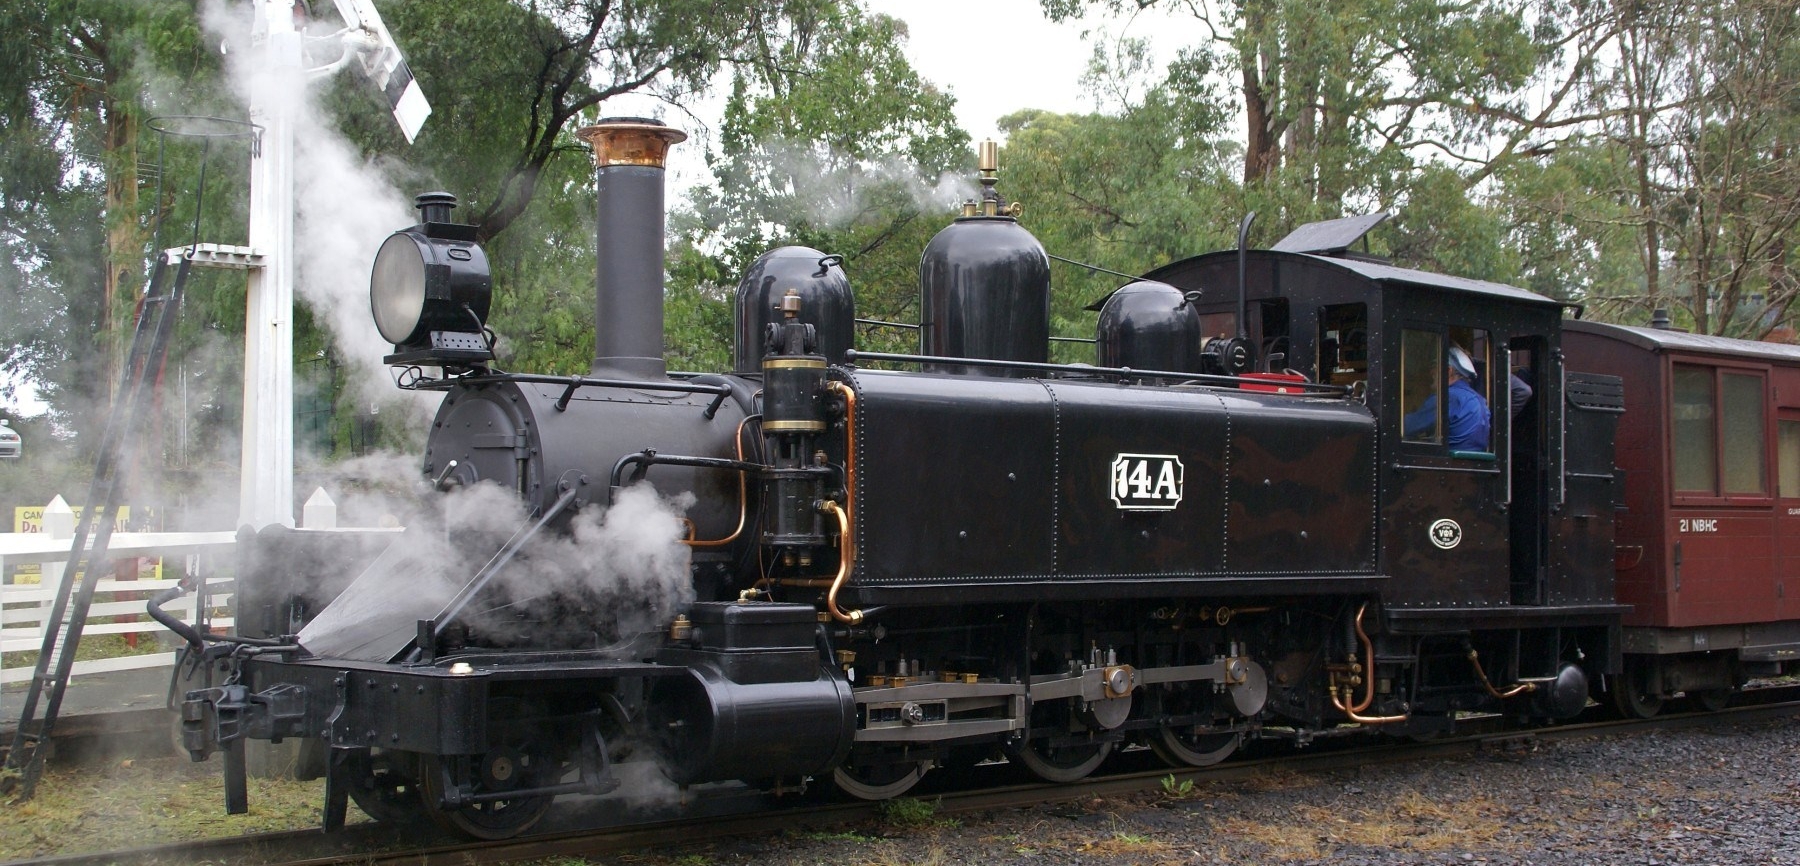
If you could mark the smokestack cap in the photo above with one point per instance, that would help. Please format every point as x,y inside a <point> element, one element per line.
<point>1659,319</point>
<point>434,207</point>
<point>630,141</point>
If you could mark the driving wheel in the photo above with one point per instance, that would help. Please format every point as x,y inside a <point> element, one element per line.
<point>1061,763</point>
<point>385,785</point>
<point>1193,745</point>
<point>489,776</point>
<point>879,781</point>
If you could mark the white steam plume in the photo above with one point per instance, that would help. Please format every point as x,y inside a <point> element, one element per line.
<point>616,572</point>
<point>345,207</point>
<point>834,189</point>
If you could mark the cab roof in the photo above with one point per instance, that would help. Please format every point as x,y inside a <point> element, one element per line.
<point>1380,272</point>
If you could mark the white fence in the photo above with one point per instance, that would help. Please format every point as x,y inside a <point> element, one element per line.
<point>118,606</point>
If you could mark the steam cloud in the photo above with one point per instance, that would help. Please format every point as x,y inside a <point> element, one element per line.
<point>835,190</point>
<point>615,573</point>
<point>345,207</point>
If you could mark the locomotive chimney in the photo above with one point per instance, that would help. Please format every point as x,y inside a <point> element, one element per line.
<point>629,154</point>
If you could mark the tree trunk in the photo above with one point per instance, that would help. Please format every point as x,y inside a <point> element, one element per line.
<point>124,237</point>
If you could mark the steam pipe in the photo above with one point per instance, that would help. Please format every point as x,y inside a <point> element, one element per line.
<point>1515,691</point>
<point>576,381</point>
<point>168,620</point>
<point>1354,712</point>
<point>845,557</point>
<point>192,635</point>
<point>648,457</point>
<point>849,395</point>
<point>743,496</point>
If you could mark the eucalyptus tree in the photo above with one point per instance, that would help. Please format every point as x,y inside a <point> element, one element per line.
<point>830,139</point>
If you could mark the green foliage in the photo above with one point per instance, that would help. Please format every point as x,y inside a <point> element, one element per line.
<point>831,141</point>
<point>1177,790</point>
<point>913,813</point>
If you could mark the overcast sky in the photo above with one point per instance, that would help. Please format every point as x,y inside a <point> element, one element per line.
<point>998,56</point>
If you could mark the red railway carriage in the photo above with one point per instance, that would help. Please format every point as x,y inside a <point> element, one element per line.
<point>1709,540</point>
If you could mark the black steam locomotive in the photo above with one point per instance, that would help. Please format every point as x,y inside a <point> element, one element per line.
<point>1247,519</point>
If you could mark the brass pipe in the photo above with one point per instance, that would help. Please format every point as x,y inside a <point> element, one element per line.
<point>743,500</point>
<point>1343,703</point>
<point>1360,719</point>
<point>849,396</point>
<point>1368,664</point>
<point>1515,691</point>
<point>845,556</point>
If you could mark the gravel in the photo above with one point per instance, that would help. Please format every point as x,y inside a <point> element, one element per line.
<point>1723,795</point>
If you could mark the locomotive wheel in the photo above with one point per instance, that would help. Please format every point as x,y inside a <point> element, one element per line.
<point>879,781</point>
<point>385,785</point>
<point>1633,691</point>
<point>497,771</point>
<point>1061,763</point>
<point>1710,700</point>
<point>1192,746</point>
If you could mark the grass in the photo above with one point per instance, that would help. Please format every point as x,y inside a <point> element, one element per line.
<point>1406,820</point>
<point>132,804</point>
<point>911,813</point>
<point>93,646</point>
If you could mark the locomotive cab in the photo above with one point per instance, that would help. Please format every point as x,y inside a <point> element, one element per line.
<point>1491,515</point>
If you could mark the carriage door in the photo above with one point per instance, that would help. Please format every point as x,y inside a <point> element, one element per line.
<point>1528,468</point>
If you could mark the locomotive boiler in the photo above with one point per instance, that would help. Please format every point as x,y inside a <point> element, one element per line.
<point>889,563</point>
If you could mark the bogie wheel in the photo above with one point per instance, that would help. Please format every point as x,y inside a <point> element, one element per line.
<point>1061,763</point>
<point>498,771</point>
<point>879,781</point>
<point>385,785</point>
<point>1710,700</point>
<point>1634,692</point>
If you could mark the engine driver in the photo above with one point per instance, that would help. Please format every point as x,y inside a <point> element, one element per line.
<point>1470,418</point>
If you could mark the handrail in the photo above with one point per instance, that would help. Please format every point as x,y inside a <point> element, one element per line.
<point>853,356</point>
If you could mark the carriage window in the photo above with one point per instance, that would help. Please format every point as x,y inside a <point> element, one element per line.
<point>1787,460</point>
<point>1421,385</point>
<point>1696,451</point>
<point>1746,455</point>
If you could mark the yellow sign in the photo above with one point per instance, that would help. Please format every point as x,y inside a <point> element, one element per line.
<point>31,519</point>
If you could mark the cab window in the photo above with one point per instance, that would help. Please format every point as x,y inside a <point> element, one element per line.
<point>1421,385</point>
<point>1343,344</point>
<point>1446,392</point>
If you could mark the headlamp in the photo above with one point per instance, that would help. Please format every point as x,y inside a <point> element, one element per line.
<point>429,290</point>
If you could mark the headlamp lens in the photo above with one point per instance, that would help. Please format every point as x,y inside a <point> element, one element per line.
<point>397,288</point>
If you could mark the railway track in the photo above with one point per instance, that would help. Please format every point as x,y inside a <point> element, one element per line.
<point>376,845</point>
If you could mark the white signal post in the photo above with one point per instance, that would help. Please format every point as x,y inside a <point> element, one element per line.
<point>266,488</point>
